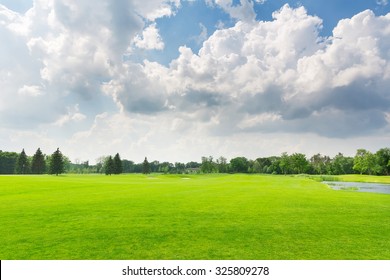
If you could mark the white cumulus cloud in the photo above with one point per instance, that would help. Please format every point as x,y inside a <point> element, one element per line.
<point>150,39</point>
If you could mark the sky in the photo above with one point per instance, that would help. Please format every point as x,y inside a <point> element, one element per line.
<point>175,80</point>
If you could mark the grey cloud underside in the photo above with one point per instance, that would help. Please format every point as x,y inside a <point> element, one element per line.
<point>358,109</point>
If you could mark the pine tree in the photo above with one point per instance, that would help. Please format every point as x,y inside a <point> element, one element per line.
<point>38,165</point>
<point>109,166</point>
<point>146,166</point>
<point>57,164</point>
<point>118,169</point>
<point>22,163</point>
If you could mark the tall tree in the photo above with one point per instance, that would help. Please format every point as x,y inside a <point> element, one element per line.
<point>56,164</point>
<point>299,163</point>
<point>118,169</point>
<point>383,158</point>
<point>320,164</point>
<point>208,165</point>
<point>222,165</point>
<point>239,165</point>
<point>284,163</point>
<point>256,167</point>
<point>341,165</point>
<point>38,164</point>
<point>22,163</point>
<point>109,166</point>
<point>365,162</point>
<point>145,166</point>
<point>265,164</point>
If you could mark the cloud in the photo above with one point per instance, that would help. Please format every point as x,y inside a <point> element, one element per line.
<point>202,36</point>
<point>32,90</point>
<point>70,70</point>
<point>242,12</point>
<point>73,115</point>
<point>283,69</point>
<point>62,53</point>
<point>154,9</point>
<point>382,2</point>
<point>150,39</point>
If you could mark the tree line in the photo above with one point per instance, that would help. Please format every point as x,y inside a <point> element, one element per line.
<point>364,162</point>
<point>14,163</point>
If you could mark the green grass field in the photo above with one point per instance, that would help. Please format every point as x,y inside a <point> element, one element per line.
<point>189,217</point>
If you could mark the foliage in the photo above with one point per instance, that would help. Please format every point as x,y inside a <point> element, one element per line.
<point>383,160</point>
<point>364,162</point>
<point>298,163</point>
<point>320,164</point>
<point>8,162</point>
<point>57,163</point>
<point>145,166</point>
<point>222,165</point>
<point>109,166</point>
<point>22,164</point>
<point>117,164</point>
<point>239,165</point>
<point>128,166</point>
<point>284,163</point>
<point>341,165</point>
<point>38,165</point>
<point>208,165</point>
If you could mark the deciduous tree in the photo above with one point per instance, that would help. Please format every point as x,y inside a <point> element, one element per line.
<point>239,165</point>
<point>383,159</point>
<point>208,165</point>
<point>299,163</point>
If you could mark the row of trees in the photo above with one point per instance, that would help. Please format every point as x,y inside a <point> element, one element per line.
<point>115,165</point>
<point>13,163</point>
<point>364,162</point>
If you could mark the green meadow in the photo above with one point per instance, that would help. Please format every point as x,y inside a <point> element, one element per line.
<point>189,217</point>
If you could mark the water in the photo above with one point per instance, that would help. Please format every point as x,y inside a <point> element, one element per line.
<point>359,187</point>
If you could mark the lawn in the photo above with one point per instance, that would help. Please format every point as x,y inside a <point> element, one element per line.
<point>188,217</point>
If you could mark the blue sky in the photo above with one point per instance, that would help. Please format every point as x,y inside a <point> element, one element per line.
<point>177,80</point>
<point>185,27</point>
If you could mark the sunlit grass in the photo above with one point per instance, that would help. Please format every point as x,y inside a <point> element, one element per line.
<point>188,217</point>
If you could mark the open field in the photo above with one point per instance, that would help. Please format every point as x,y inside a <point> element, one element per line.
<point>188,217</point>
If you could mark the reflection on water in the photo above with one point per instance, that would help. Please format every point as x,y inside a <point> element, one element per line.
<point>359,187</point>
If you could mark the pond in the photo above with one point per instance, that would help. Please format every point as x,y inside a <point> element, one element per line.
<point>359,187</point>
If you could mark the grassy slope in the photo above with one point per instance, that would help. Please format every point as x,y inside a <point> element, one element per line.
<point>204,217</point>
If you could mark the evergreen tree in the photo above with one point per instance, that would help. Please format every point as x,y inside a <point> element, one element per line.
<point>146,166</point>
<point>118,169</point>
<point>109,166</point>
<point>22,163</point>
<point>38,164</point>
<point>56,165</point>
